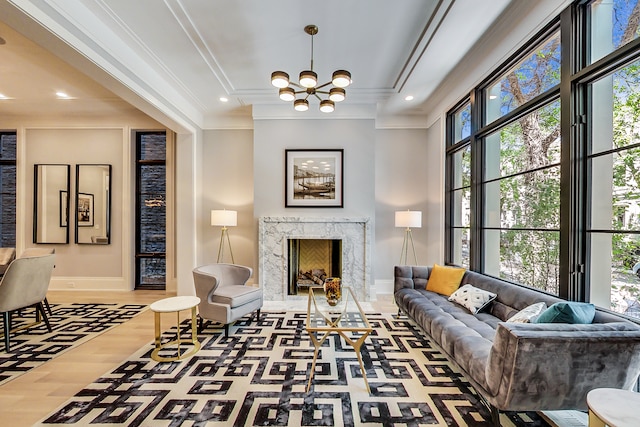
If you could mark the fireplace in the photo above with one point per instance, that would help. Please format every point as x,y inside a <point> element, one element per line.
<point>274,234</point>
<point>311,261</point>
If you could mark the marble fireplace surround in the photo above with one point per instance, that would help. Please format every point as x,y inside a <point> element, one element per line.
<point>273,257</point>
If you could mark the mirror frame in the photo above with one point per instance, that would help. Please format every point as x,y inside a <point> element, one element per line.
<point>107,200</point>
<point>62,212</point>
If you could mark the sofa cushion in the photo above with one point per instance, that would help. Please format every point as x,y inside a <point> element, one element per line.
<point>444,280</point>
<point>568,312</point>
<point>472,298</point>
<point>529,314</point>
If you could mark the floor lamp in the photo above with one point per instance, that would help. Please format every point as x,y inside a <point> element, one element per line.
<point>224,218</point>
<point>408,220</point>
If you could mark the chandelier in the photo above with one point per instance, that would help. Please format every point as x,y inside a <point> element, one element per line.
<point>309,84</point>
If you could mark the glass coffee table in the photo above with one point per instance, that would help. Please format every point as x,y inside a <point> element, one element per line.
<point>346,318</point>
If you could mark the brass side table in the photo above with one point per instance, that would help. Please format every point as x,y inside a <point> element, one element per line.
<point>175,305</point>
<point>613,407</point>
<point>346,318</point>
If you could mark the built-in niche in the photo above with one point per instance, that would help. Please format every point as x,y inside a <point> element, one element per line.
<point>51,203</point>
<point>93,204</point>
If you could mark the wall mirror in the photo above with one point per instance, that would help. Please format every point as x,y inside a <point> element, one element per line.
<point>51,204</point>
<point>93,204</point>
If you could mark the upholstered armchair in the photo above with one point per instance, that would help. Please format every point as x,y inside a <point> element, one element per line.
<point>25,284</point>
<point>224,297</point>
<point>31,252</point>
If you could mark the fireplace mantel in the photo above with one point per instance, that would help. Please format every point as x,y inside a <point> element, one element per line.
<point>273,235</point>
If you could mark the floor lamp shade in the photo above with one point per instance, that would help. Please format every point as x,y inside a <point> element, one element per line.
<point>224,218</point>
<point>408,220</point>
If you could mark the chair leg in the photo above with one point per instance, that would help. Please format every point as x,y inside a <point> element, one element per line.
<point>7,329</point>
<point>46,303</point>
<point>40,309</point>
<point>200,324</point>
<point>258,315</point>
<point>226,330</point>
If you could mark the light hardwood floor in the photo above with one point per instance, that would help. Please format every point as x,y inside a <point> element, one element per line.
<point>37,393</point>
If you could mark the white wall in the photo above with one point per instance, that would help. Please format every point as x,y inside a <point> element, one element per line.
<point>68,140</point>
<point>355,136</point>
<point>408,176</point>
<point>227,176</point>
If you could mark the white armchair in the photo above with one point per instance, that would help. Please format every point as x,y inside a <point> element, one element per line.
<point>25,284</point>
<point>224,297</point>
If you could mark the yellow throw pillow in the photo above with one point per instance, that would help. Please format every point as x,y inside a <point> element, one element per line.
<point>444,280</point>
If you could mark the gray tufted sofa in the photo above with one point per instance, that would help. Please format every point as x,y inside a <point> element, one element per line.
<point>522,366</point>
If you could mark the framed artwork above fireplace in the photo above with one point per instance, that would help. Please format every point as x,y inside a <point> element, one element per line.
<point>313,178</point>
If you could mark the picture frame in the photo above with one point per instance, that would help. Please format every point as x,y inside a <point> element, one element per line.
<point>64,208</point>
<point>314,178</point>
<point>84,210</point>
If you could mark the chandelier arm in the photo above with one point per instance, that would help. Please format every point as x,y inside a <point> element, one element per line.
<point>319,99</point>
<point>296,85</point>
<point>321,86</point>
<point>324,92</point>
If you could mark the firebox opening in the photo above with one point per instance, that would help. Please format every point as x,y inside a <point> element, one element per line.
<point>311,261</point>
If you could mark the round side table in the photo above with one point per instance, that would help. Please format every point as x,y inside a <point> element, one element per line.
<point>175,305</point>
<point>613,407</point>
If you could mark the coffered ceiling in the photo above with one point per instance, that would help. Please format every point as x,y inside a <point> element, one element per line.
<point>181,56</point>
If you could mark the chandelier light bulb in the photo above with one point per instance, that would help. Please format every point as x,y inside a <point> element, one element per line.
<point>301,105</point>
<point>308,79</point>
<point>287,94</point>
<point>337,94</point>
<point>341,78</point>
<point>280,79</point>
<point>327,106</point>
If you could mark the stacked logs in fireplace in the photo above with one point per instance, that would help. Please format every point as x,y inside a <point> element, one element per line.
<point>314,277</point>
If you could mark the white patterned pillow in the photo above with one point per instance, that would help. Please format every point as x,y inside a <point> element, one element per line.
<point>528,314</point>
<point>472,298</point>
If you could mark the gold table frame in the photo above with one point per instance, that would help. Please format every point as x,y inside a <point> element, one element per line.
<point>171,305</point>
<point>346,319</point>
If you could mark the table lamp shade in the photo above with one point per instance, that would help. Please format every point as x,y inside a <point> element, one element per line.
<point>409,219</point>
<point>224,218</point>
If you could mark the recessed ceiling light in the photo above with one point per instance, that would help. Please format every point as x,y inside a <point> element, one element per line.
<point>408,98</point>
<point>3,96</point>
<point>62,95</point>
<point>223,99</point>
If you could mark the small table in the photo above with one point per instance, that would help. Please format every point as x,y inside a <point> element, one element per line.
<point>346,318</point>
<point>613,407</point>
<point>171,305</point>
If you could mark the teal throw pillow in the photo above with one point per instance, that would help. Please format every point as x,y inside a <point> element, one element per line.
<point>568,312</point>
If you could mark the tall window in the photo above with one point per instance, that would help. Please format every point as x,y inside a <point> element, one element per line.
<point>8,189</point>
<point>151,210</point>
<point>555,175</point>
<point>613,174</point>
<point>459,185</point>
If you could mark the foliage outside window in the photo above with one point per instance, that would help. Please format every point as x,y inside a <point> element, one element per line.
<point>522,200</point>
<point>581,239</point>
<point>533,75</point>
<point>614,166</point>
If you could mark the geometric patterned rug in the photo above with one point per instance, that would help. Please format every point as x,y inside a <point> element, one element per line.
<point>71,325</point>
<point>258,376</point>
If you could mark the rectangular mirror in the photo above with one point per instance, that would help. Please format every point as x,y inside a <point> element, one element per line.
<point>51,204</point>
<point>93,204</point>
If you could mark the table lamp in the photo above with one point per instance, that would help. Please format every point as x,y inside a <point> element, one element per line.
<point>224,218</point>
<point>408,220</point>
